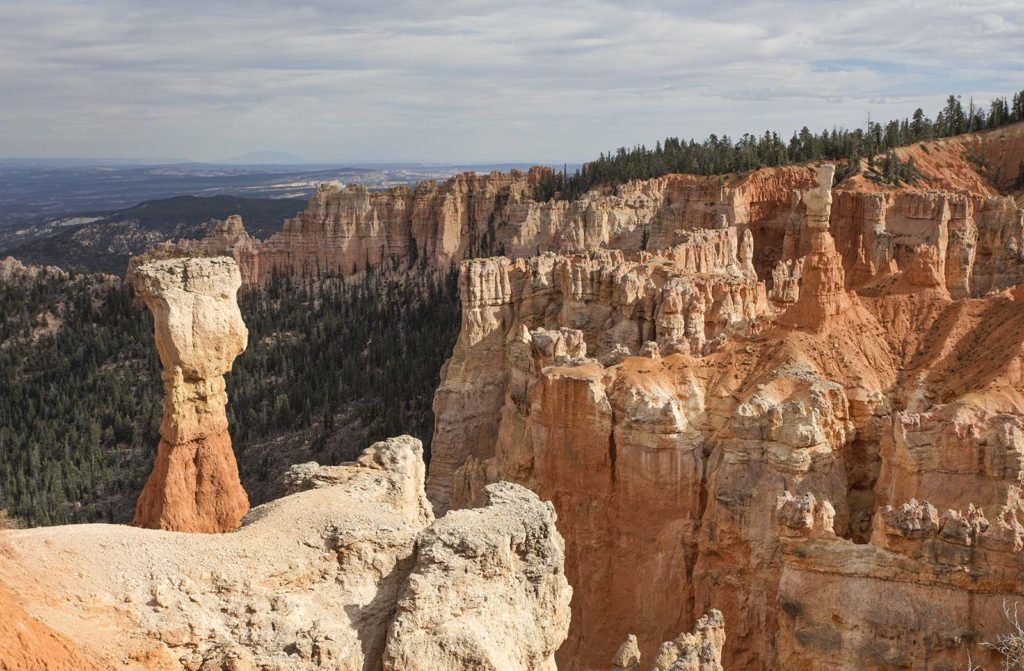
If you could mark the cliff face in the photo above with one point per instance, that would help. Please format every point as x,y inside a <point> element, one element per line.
<point>351,574</point>
<point>664,402</point>
<point>681,300</point>
<point>199,331</point>
<point>954,207</point>
<point>348,229</point>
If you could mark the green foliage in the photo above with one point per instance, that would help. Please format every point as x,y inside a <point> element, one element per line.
<point>371,346</point>
<point>81,407</point>
<point>893,170</point>
<point>723,155</point>
<point>80,410</point>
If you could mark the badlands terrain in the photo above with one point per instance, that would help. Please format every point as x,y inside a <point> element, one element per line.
<point>780,412</point>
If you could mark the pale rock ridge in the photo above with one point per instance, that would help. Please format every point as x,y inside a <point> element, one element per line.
<point>352,573</point>
<point>503,562</point>
<point>347,229</point>
<point>199,331</point>
<point>697,651</point>
<point>11,267</point>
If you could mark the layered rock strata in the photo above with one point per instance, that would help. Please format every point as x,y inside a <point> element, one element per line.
<point>199,331</point>
<point>683,299</point>
<point>346,230</point>
<point>954,207</point>
<point>664,405</point>
<point>927,590</point>
<point>355,574</point>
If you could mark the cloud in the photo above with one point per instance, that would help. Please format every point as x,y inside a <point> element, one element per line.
<point>476,80</point>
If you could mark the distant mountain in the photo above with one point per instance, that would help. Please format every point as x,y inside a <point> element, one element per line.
<point>265,158</point>
<point>104,242</point>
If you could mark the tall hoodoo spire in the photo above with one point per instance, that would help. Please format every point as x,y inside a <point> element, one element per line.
<point>823,286</point>
<point>199,331</point>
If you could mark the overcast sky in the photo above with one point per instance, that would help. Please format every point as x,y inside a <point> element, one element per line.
<point>476,81</point>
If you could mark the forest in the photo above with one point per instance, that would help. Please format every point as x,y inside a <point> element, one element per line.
<point>720,155</point>
<point>80,415</point>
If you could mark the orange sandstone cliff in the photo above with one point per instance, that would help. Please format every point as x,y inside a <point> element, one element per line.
<point>737,420</point>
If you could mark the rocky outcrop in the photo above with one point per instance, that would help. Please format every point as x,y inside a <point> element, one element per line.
<point>977,240</point>
<point>683,299</point>
<point>699,651</point>
<point>199,331</point>
<point>822,293</point>
<point>927,589</point>
<point>487,590</point>
<point>353,574</point>
<point>710,443</point>
<point>11,268</point>
<point>347,230</point>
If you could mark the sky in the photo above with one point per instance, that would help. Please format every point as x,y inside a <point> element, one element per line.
<point>475,80</point>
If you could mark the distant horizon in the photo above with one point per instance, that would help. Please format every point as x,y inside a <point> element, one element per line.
<point>303,162</point>
<point>170,161</point>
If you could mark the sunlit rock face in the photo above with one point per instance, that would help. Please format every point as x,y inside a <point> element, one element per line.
<point>199,331</point>
<point>351,571</point>
<point>710,442</point>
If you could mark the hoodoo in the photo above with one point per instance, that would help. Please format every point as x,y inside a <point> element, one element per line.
<point>823,289</point>
<point>199,332</point>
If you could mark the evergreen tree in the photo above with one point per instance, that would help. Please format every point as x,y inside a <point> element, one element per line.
<point>720,155</point>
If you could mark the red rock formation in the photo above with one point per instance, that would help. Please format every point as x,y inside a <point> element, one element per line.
<point>924,591</point>
<point>665,406</point>
<point>683,299</point>
<point>822,294</point>
<point>194,485</point>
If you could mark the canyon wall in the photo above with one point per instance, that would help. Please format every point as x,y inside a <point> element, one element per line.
<point>665,402</point>
<point>736,391</point>
<point>954,206</point>
<point>345,230</point>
